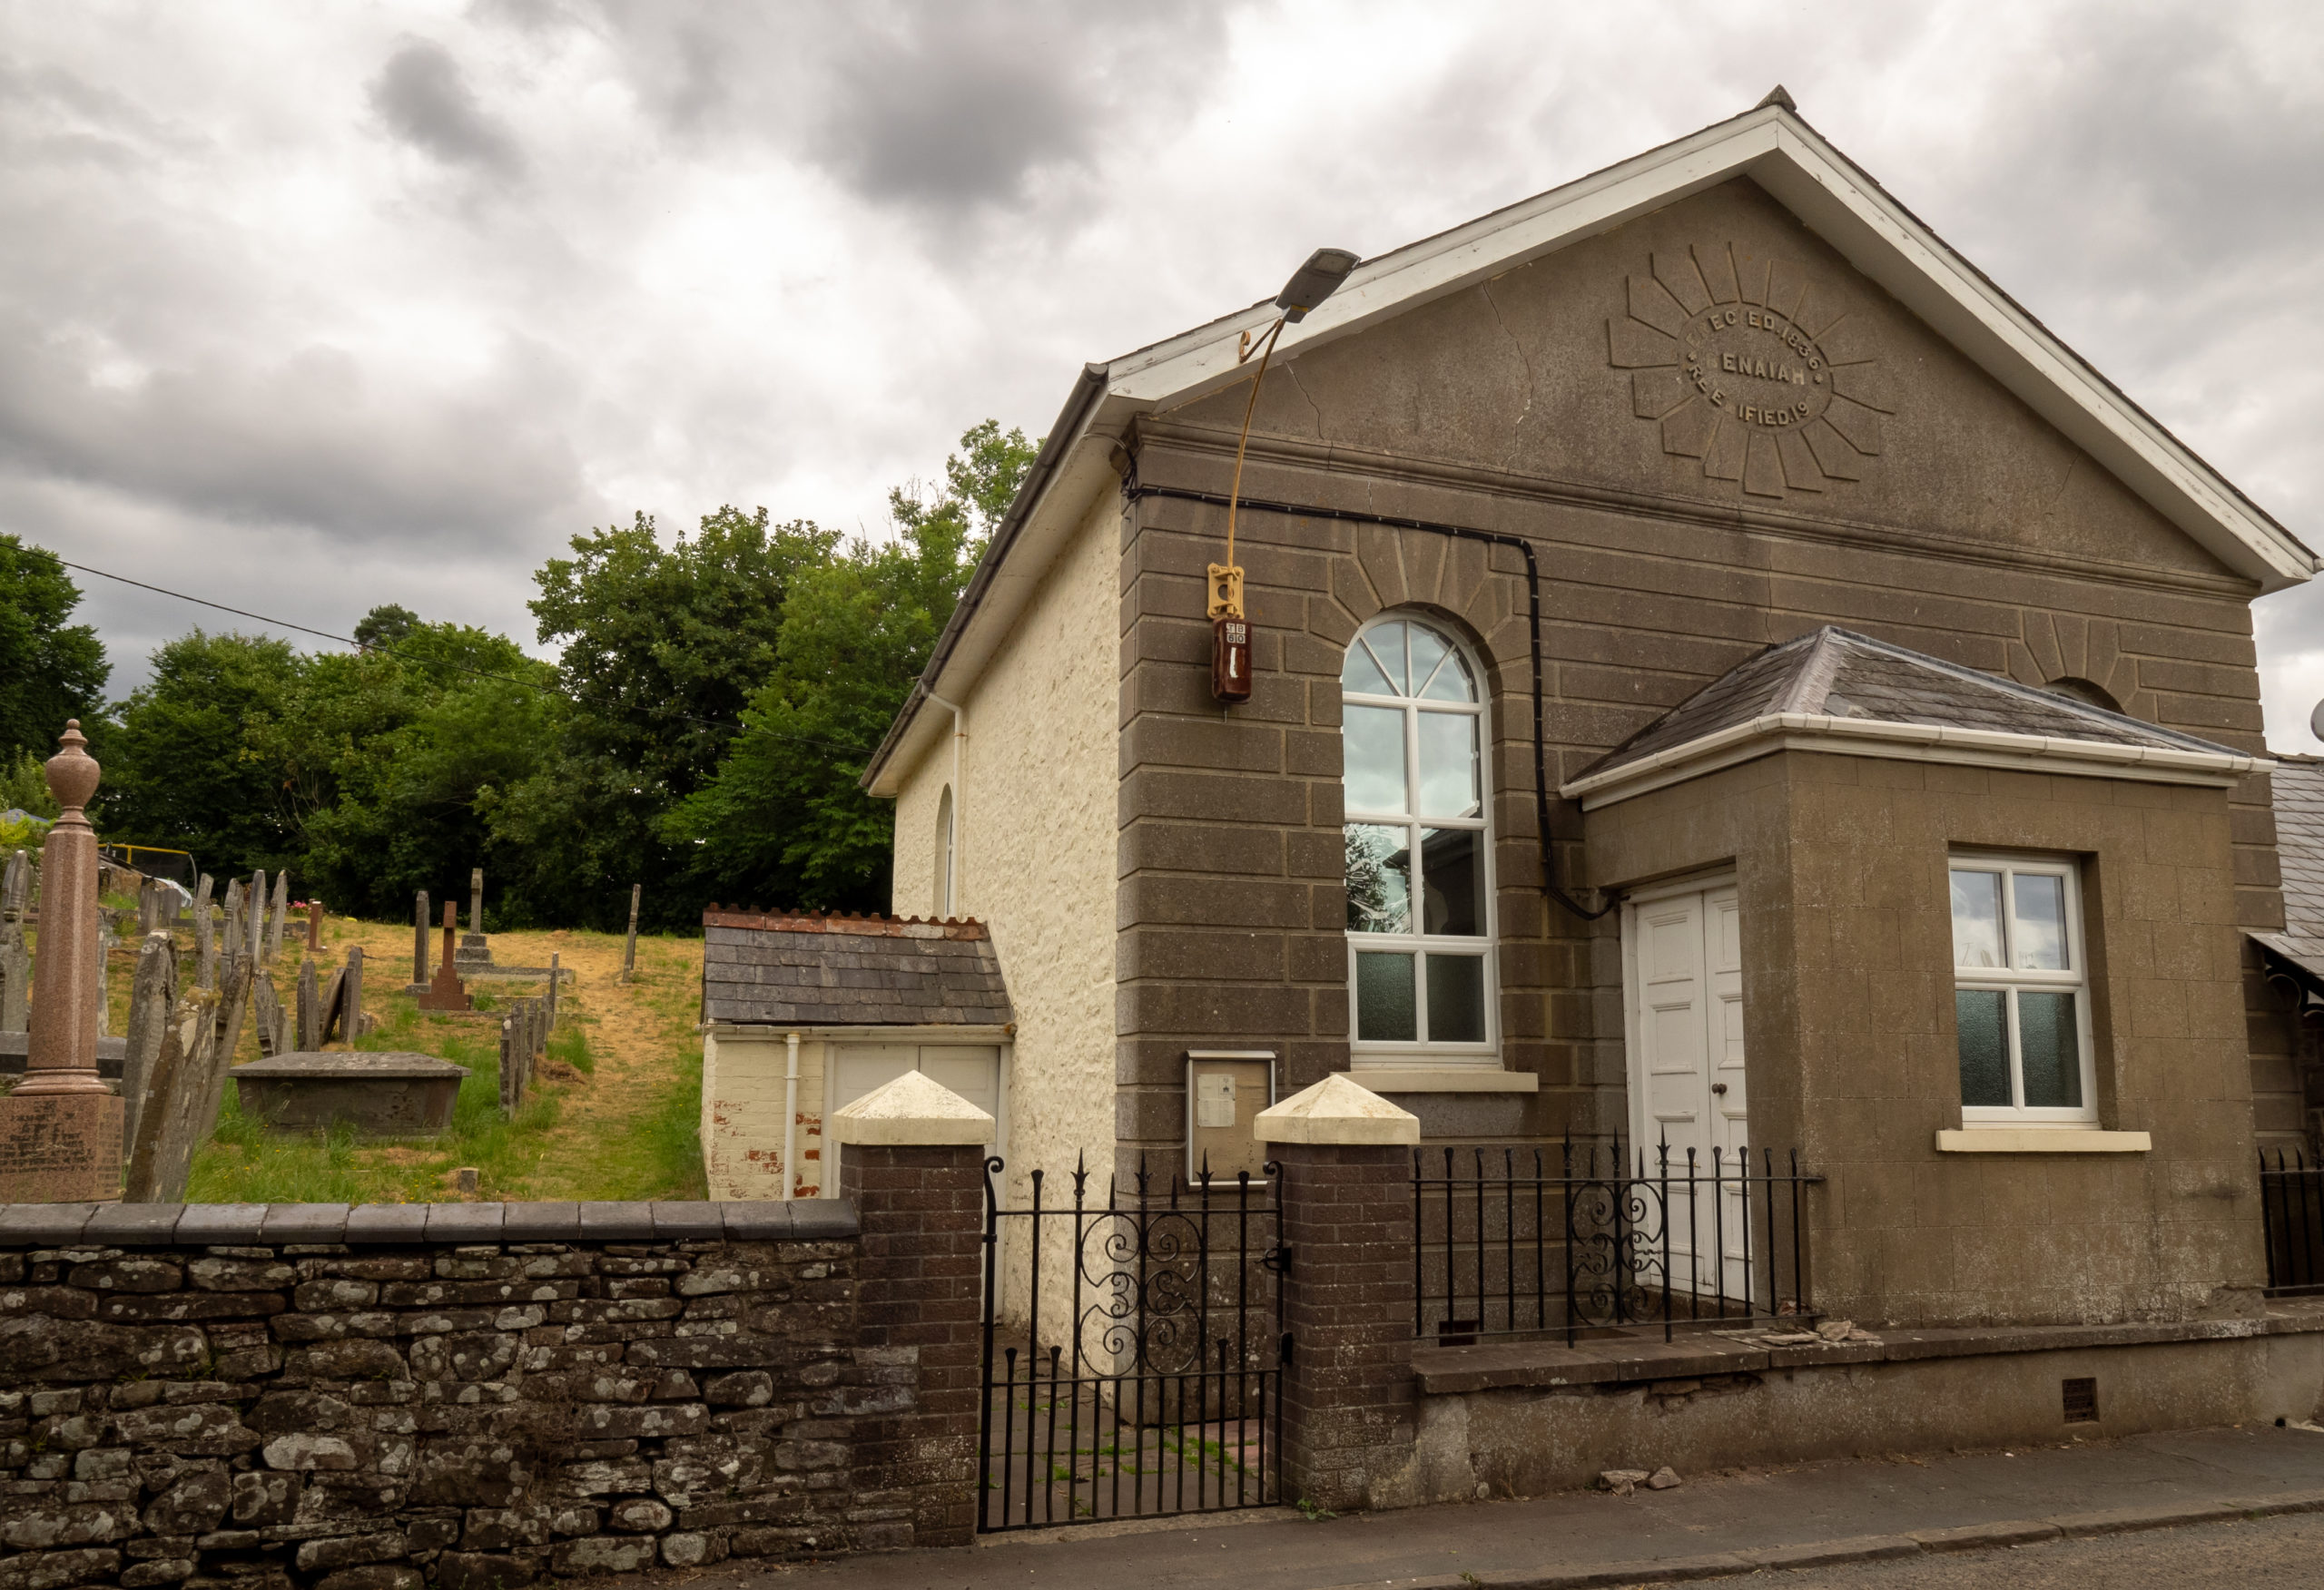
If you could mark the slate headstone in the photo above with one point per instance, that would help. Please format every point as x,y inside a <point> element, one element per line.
<point>151,994</point>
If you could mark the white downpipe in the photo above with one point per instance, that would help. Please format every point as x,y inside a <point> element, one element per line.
<point>959,807</point>
<point>790,1114</point>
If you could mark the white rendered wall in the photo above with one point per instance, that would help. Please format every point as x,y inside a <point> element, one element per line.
<point>742,1116</point>
<point>1037,854</point>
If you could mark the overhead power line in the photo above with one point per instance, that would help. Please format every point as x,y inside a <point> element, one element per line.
<point>436,661</point>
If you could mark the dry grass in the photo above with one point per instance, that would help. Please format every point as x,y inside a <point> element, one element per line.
<point>613,1113</point>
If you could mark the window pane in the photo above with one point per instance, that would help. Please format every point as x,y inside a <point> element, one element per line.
<point>1451,681</point>
<point>1387,643</point>
<point>1428,653</point>
<point>1362,675</point>
<point>1385,1008</point>
<point>1373,737</point>
<point>1448,764</point>
<point>1977,919</point>
<point>1984,1047</point>
<point>1456,999</point>
<point>2050,1045</point>
<point>2038,934</point>
<point>1379,879</point>
<point>1453,881</point>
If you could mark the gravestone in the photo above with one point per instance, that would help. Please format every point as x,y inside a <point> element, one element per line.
<point>555,977</point>
<point>60,1129</point>
<point>279,920</point>
<point>105,941</point>
<point>151,995</point>
<point>475,952</point>
<point>310,1010</point>
<point>170,1125</point>
<point>446,991</point>
<point>266,1008</point>
<point>254,906</point>
<point>352,1022</point>
<point>205,947</point>
<point>16,953</point>
<point>418,943</point>
<point>629,948</point>
<point>386,1094</point>
<point>233,1005</point>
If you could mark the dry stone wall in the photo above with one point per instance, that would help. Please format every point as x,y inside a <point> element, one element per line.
<point>257,1397</point>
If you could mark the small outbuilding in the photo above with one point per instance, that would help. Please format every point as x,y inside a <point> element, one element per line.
<point>803,1014</point>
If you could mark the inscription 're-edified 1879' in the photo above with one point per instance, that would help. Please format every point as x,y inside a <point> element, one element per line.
<point>1767,378</point>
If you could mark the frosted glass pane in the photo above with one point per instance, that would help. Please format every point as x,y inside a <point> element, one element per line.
<point>1428,652</point>
<point>1385,1010</point>
<point>1452,682</point>
<point>1379,879</point>
<point>2040,935</point>
<point>1448,764</point>
<point>1373,739</point>
<point>1362,675</point>
<point>1452,880</point>
<point>1976,918</point>
<point>2050,1046</point>
<point>1985,1045</point>
<point>1456,999</point>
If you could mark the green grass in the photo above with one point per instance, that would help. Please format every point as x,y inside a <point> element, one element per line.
<point>247,1162</point>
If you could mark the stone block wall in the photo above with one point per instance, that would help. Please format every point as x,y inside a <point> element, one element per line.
<point>479,1396</point>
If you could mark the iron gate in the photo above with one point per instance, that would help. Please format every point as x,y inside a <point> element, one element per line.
<point>1141,1373</point>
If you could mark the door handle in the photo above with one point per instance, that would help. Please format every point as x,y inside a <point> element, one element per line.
<point>1720,1088</point>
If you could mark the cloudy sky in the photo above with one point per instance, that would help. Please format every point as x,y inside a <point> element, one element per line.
<point>307,308</point>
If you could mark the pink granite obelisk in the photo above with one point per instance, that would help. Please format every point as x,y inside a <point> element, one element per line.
<point>60,1130</point>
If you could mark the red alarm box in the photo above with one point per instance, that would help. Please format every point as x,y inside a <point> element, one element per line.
<point>1230,658</point>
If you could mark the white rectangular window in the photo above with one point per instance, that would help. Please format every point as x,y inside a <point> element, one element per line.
<point>2021,994</point>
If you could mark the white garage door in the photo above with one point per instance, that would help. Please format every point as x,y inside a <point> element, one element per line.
<point>970,1070</point>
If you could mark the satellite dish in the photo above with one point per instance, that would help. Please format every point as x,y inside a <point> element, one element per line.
<point>2316,721</point>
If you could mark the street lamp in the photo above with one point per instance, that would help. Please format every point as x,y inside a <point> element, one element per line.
<point>1230,648</point>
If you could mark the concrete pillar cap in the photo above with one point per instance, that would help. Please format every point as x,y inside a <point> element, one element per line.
<point>1337,1111</point>
<point>915,1111</point>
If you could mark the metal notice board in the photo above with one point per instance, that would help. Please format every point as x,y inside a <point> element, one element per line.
<point>1226,1091</point>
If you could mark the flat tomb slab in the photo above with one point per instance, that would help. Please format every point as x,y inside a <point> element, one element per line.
<point>391,1094</point>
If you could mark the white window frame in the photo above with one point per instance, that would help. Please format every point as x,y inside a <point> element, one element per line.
<point>1486,946</point>
<point>946,859</point>
<point>2012,980</point>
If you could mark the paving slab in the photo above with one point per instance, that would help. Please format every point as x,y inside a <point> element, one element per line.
<point>1711,1527</point>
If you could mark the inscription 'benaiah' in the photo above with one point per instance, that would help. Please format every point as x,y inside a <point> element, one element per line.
<point>1747,365</point>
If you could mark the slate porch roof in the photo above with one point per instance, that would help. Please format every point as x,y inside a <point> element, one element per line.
<point>796,969</point>
<point>1834,672</point>
<point>2299,851</point>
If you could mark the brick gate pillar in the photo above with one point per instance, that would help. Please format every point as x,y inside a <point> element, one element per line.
<point>911,1157</point>
<point>1350,1411</point>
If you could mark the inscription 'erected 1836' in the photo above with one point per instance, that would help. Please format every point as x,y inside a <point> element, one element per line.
<point>1756,365</point>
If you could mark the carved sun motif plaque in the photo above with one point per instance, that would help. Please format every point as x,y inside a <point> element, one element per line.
<point>1767,377</point>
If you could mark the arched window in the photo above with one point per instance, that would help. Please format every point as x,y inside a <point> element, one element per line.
<point>940,896</point>
<point>1419,845</point>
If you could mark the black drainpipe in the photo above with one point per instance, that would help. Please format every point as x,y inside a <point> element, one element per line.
<point>1132,490</point>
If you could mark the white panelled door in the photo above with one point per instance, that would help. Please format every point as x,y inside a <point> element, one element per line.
<point>1682,967</point>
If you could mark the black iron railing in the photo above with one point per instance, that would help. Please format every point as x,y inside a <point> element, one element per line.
<point>1142,1373</point>
<point>2291,1210</point>
<point>1582,1236</point>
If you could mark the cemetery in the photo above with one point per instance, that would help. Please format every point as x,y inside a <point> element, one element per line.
<point>258,1047</point>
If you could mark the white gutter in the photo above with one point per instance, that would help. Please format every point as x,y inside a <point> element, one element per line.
<point>1813,732</point>
<point>790,1114</point>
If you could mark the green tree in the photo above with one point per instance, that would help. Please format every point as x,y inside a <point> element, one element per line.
<point>785,821</point>
<point>199,761</point>
<point>663,648</point>
<point>49,668</point>
<point>385,625</point>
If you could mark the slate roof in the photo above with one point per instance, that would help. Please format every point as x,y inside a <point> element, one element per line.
<point>2300,851</point>
<point>793,969</point>
<point>1837,674</point>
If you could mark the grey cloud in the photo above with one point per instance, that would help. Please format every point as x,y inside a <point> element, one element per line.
<point>424,99</point>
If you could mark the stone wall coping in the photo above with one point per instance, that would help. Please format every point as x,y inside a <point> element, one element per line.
<point>914,1111</point>
<point>1337,1111</point>
<point>1493,1366</point>
<point>196,1225</point>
